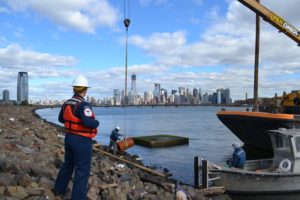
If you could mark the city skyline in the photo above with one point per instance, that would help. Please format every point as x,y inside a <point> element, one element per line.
<point>158,95</point>
<point>197,43</point>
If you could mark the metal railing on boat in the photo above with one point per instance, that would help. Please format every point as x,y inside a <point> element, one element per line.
<point>202,173</point>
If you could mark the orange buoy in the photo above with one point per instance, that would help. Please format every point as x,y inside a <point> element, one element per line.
<point>125,144</point>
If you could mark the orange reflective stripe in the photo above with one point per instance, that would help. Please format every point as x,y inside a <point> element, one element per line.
<point>257,114</point>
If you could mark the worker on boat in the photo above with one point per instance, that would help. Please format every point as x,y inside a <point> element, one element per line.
<point>114,137</point>
<point>80,127</point>
<point>238,158</point>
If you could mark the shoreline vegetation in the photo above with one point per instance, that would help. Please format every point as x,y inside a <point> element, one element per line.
<point>32,150</point>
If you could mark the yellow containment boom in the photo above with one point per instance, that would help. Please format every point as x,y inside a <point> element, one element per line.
<point>273,19</point>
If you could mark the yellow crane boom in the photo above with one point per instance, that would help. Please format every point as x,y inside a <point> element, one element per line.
<point>274,19</point>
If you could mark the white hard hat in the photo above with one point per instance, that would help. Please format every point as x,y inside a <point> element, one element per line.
<point>236,145</point>
<point>118,128</point>
<point>80,81</point>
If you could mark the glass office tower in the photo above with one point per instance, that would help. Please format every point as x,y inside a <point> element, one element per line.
<point>5,95</point>
<point>22,87</point>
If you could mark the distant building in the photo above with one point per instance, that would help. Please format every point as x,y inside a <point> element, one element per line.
<point>22,87</point>
<point>195,93</point>
<point>156,92</point>
<point>205,99</point>
<point>227,96</point>
<point>219,96</point>
<point>117,97</point>
<point>181,91</point>
<point>223,96</point>
<point>133,91</point>
<point>133,85</point>
<point>213,98</point>
<point>5,95</point>
<point>88,99</point>
<point>109,101</point>
<point>148,97</point>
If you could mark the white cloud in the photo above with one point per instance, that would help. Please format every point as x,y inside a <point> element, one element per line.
<point>225,50</point>
<point>160,43</point>
<point>81,15</point>
<point>14,56</point>
<point>229,43</point>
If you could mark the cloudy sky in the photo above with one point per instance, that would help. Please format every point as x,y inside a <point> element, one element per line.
<point>193,43</point>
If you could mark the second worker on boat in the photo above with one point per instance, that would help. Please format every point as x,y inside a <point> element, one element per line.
<point>238,158</point>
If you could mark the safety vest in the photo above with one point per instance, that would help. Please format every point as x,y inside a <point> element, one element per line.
<point>74,124</point>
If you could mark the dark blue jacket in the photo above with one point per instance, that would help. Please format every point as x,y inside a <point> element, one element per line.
<point>114,136</point>
<point>238,158</point>
<point>88,121</point>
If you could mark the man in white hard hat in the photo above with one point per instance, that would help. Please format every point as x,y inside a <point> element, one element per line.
<point>238,159</point>
<point>114,137</point>
<point>80,127</point>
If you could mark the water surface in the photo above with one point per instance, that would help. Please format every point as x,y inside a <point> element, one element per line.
<point>208,137</point>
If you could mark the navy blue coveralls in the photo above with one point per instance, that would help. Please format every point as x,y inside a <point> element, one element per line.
<point>238,158</point>
<point>114,136</point>
<point>78,154</point>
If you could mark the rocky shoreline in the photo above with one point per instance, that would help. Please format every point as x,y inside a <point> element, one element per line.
<point>32,150</point>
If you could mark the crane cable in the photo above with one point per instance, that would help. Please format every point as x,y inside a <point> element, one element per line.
<point>126,24</point>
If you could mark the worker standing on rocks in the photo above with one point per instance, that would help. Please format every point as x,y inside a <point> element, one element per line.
<point>80,127</point>
<point>114,137</point>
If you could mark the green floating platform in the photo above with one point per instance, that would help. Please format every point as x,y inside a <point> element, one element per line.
<point>160,140</point>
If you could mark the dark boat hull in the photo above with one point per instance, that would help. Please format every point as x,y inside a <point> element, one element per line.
<point>251,127</point>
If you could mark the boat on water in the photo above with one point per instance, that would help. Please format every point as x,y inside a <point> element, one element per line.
<point>281,174</point>
<point>251,127</point>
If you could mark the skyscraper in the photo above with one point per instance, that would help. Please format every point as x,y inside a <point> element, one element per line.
<point>133,92</point>
<point>223,96</point>
<point>156,92</point>
<point>133,85</point>
<point>117,97</point>
<point>181,91</point>
<point>227,96</point>
<point>219,96</point>
<point>148,96</point>
<point>5,95</point>
<point>22,87</point>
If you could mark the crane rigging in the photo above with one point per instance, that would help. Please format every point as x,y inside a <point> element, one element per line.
<point>126,24</point>
<point>127,142</point>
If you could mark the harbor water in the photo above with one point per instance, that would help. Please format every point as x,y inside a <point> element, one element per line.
<point>208,137</point>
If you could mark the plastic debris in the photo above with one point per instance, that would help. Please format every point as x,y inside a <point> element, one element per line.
<point>120,165</point>
<point>11,119</point>
<point>60,136</point>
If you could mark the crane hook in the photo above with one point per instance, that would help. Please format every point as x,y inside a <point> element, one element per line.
<point>126,23</point>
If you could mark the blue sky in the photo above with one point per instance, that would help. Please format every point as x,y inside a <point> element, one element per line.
<point>195,43</point>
